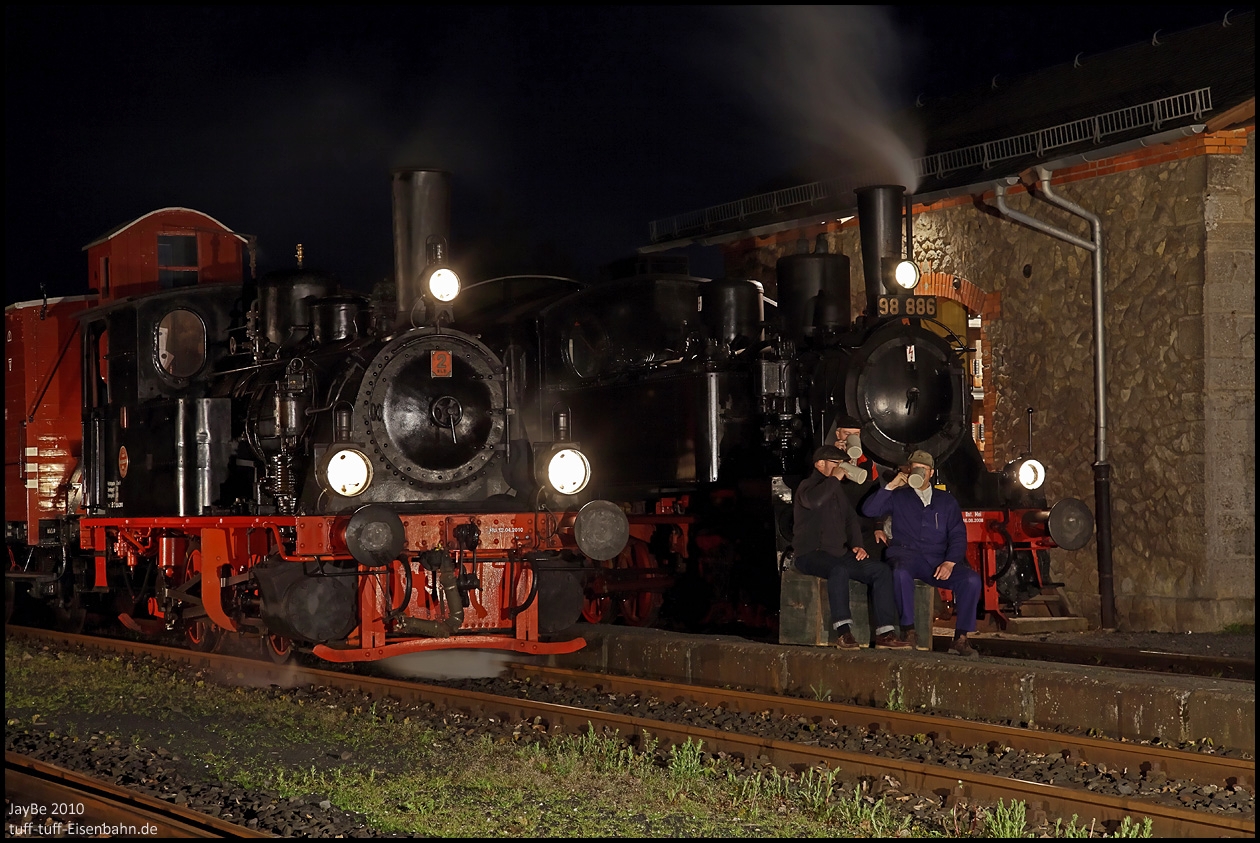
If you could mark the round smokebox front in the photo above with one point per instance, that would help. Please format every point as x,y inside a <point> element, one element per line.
<point>433,406</point>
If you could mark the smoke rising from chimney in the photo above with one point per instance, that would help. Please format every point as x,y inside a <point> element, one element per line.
<point>830,77</point>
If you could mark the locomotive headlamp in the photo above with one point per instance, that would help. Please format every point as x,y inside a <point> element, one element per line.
<point>1027,472</point>
<point>567,470</point>
<point>901,275</point>
<point>443,284</point>
<point>349,472</point>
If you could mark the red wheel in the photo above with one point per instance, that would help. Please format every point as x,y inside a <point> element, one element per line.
<point>597,609</point>
<point>640,608</point>
<point>278,648</point>
<point>201,635</point>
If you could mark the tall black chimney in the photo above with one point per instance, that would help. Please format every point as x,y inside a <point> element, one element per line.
<point>879,220</point>
<point>422,209</point>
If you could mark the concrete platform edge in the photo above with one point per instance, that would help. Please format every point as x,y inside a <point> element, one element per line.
<point>1118,703</point>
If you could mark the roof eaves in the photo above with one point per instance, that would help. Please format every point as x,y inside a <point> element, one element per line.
<point>114,232</point>
<point>969,189</point>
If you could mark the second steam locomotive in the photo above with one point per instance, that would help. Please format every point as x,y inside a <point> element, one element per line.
<point>703,399</point>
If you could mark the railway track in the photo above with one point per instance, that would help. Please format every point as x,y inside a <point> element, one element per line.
<point>913,776</point>
<point>48,801</point>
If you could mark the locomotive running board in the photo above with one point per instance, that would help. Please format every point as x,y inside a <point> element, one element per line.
<point>455,642</point>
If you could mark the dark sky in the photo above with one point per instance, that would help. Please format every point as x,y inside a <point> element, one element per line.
<point>566,129</point>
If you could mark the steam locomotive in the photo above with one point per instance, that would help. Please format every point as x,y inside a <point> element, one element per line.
<point>364,478</point>
<point>279,458</point>
<point>703,399</point>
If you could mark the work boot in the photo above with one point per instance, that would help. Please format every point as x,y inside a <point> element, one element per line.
<point>846,641</point>
<point>890,641</point>
<point>911,636</point>
<point>960,647</point>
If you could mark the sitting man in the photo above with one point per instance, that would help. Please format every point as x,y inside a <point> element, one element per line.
<point>828,544</point>
<point>848,434</point>
<point>929,543</point>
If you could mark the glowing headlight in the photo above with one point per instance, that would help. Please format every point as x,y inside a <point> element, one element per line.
<point>568,471</point>
<point>444,284</point>
<point>349,472</point>
<point>906,274</point>
<point>1031,474</point>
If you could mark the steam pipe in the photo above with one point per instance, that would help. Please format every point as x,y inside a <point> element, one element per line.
<point>909,227</point>
<point>1102,469</point>
<point>454,608</point>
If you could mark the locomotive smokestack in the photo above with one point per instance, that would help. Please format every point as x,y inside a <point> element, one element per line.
<point>879,219</point>
<point>422,209</point>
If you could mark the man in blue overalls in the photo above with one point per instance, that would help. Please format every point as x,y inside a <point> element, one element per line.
<point>929,543</point>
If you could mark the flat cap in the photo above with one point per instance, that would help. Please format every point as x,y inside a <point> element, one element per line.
<point>829,452</point>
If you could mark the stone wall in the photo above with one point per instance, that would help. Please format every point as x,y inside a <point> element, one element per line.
<point>1179,278</point>
<point>1226,585</point>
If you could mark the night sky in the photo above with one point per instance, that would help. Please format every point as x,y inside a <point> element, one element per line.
<point>566,129</point>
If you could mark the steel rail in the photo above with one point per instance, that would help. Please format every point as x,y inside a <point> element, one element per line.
<point>95,808</point>
<point>917,777</point>
<point>1175,763</point>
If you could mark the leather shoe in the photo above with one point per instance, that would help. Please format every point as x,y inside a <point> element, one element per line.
<point>912,638</point>
<point>846,641</point>
<point>890,641</point>
<point>960,647</point>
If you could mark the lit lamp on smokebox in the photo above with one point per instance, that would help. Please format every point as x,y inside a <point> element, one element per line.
<point>901,275</point>
<point>561,466</point>
<point>1026,472</point>
<point>344,467</point>
<point>441,282</point>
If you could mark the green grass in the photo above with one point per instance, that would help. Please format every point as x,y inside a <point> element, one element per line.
<point>414,771</point>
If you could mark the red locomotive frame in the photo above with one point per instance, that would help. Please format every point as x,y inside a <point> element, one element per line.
<point>992,531</point>
<point>218,552</point>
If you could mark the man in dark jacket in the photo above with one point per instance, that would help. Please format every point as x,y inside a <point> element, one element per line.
<point>827,538</point>
<point>929,543</point>
<point>847,432</point>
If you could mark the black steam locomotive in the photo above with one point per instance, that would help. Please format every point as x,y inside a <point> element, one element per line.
<point>701,409</point>
<point>285,460</point>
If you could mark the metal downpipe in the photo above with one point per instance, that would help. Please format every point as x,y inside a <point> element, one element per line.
<point>1102,469</point>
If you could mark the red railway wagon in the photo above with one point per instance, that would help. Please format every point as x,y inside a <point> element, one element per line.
<point>166,248</point>
<point>43,432</point>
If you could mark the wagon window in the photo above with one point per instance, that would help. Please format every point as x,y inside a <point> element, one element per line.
<point>177,260</point>
<point>181,343</point>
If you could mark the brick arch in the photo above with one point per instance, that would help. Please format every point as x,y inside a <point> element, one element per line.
<point>946,286</point>
<point>977,303</point>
